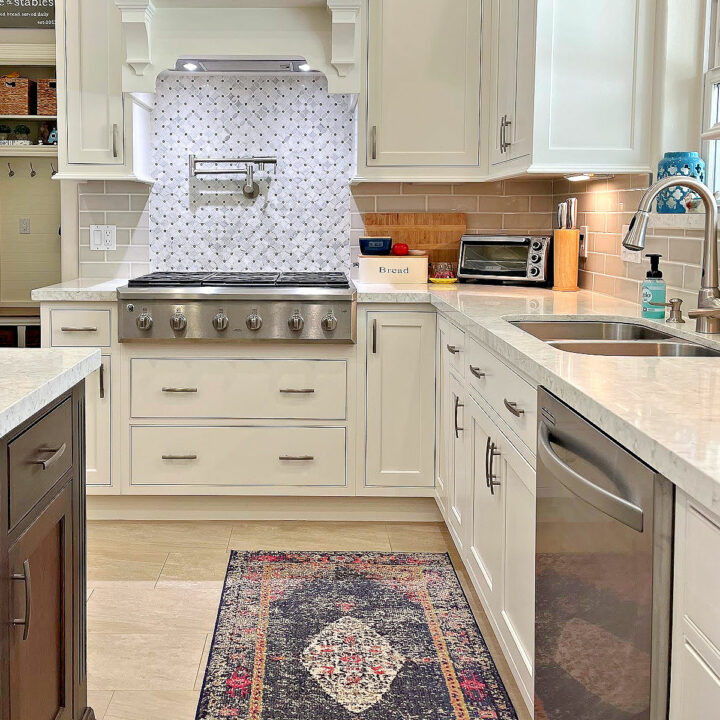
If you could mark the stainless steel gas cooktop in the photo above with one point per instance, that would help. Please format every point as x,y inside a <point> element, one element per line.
<point>293,306</point>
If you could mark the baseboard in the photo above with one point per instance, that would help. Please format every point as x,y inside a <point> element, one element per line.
<point>151,507</point>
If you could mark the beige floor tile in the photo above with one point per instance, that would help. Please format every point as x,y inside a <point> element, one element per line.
<point>309,535</point>
<point>99,700</point>
<point>203,662</point>
<point>195,565</point>
<point>144,662</point>
<point>147,611</point>
<point>166,535</point>
<point>115,562</point>
<point>143,705</point>
<point>417,537</point>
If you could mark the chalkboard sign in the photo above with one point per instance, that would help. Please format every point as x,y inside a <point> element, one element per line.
<point>38,14</point>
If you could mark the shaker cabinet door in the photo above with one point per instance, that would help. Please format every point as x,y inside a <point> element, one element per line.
<point>98,426</point>
<point>41,616</point>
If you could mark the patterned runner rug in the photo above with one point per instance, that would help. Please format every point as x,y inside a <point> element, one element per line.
<point>348,636</point>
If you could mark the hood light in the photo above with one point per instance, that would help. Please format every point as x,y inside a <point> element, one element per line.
<point>304,67</point>
<point>190,66</point>
<point>580,177</point>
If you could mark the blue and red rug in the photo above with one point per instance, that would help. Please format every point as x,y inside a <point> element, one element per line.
<point>348,636</point>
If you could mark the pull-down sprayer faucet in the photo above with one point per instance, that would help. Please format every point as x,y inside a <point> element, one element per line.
<point>708,312</point>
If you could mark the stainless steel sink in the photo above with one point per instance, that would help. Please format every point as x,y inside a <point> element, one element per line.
<point>635,348</point>
<point>589,330</point>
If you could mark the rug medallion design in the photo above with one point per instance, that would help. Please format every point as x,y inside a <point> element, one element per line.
<point>348,636</point>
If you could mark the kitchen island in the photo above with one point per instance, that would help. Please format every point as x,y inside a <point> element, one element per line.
<point>42,541</point>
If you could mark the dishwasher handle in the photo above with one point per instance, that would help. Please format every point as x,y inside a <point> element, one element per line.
<point>616,507</point>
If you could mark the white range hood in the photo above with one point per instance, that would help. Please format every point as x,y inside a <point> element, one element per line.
<point>326,33</point>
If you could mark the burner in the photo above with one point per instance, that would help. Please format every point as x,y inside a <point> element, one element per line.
<point>313,279</point>
<point>241,279</point>
<point>170,279</point>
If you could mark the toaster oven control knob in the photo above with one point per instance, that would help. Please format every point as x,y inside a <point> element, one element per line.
<point>296,322</point>
<point>220,321</point>
<point>329,323</point>
<point>534,271</point>
<point>178,322</point>
<point>535,258</point>
<point>144,321</point>
<point>254,321</point>
<point>536,245</point>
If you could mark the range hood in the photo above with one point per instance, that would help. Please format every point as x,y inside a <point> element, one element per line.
<point>261,36</point>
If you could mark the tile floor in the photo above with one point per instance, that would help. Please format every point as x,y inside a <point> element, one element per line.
<point>154,590</point>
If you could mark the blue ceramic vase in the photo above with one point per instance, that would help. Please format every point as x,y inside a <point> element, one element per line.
<point>688,164</point>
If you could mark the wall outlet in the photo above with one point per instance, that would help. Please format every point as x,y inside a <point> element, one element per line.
<point>24,226</point>
<point>631,256</point>
<point>584,240</point>
<point>103,237</point>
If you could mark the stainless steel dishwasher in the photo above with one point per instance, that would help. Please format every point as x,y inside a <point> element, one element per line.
<point>603,575</point>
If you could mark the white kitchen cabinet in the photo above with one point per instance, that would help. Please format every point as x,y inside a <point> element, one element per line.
<point>442,406</point>
<point>98,425</point>
<point>400,399</point>
<point>459,509</point>
<point>695,662</point>
<point>423,102</point>
<point>103,134</point>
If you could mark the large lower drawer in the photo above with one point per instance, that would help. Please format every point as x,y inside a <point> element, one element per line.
<point>38,458</point>
<point>238,456</point>
<point>235,388</point>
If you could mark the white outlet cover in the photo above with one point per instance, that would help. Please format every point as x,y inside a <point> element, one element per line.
<point>24,226</point>
<point>584,240</point>
<point>103,237</point>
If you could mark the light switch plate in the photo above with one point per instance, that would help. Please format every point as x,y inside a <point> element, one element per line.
<point>584,239</point>
<point>24,226</point>
<point>103,237</point>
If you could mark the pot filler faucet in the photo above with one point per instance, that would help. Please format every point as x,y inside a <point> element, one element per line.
<point>707,314</point>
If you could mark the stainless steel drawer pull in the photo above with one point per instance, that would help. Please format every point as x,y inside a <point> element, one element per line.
<point>89,328</point>
<point>296,457</point>
<point>374,336</point>
<point>179,390</point>
<point>299,391</point>
<point>493,482</point>
<point>57,453</point>
<point>115,140</point>
<point>179,457</point>
<point>513,408</point>
<point>25,577</point>
<point>453,349</point>
<point>102,381</point>
<point>477,372</point>
<point>458,404</point>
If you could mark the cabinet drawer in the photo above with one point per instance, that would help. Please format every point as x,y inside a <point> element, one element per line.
<point>454,347</point>
<point>218,388</point>
<point>238,456</point>
<point>38,458</point>
<point>80,328</point>
<point>501,387</point>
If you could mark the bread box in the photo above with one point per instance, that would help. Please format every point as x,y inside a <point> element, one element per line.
<point>394,269</point>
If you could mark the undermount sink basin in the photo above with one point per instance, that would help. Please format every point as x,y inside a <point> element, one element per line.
<point>620,339</point>
<point>635,348</point>
<point>589,330</point>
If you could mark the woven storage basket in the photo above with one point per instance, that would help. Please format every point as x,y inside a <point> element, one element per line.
<point>47,96</point>
<point>18,96</point>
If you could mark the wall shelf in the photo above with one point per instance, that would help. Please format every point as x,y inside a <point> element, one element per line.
<point>49,151</point>
<point>28,117</point>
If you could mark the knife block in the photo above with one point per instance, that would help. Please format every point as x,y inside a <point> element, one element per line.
<point>566,253</point>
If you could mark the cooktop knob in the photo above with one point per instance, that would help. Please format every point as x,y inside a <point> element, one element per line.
<point>178,321</point>
<point>296,322</point>
<point>220,321</point>
<point>254,321</point>
<point>144,321</point>
<point>329,323</point>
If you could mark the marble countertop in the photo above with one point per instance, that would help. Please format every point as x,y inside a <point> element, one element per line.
<point>665,410</point>
<point>31,378</point>
<point>80,290</point>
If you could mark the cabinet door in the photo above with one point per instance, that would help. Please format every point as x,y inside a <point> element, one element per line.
<point>458,490</point>
<point>485,550</point>
<point>400,400</point>
<point>93,82</point>
<point>424,82</point>
<point>443,432</point>
<point>98,425</point>
<point>40,656</point>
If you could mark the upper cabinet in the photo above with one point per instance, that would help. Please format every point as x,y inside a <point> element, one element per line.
<point>103,134</point>
<point>562,86</point>
<point>423,103</point>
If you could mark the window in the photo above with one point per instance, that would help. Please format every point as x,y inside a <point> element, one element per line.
<point>711,101</point>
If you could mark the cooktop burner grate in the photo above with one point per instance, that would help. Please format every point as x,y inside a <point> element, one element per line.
<point>241,279</point>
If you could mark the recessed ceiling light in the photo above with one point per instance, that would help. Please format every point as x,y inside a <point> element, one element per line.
<point>588,176</point>
<point>304,67</point>
<point>190,66</point>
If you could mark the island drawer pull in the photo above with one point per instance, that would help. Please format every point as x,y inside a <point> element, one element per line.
<point>296,457</point>
<point>57,453</point>
<point>477,372</point>
<point>69,328</point>
<point>299,391</point>
<point>179,457</point>
<point>453,349</point>
<point>179,389</point>
<point>513,408</point>
<point>25,577</point>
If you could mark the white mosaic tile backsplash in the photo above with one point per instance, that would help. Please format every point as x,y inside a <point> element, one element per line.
<point>300,220</point>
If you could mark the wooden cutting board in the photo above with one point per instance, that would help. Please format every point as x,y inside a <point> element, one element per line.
<point>436,233</point>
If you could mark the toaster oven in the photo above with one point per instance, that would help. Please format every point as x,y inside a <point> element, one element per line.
<point>505,258</point>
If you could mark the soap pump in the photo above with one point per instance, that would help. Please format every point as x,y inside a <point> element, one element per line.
<point>653,290</point>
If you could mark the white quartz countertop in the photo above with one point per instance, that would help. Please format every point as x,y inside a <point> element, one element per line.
<point>80,290</point>
<point>31,378</point>
<point>665,410</point>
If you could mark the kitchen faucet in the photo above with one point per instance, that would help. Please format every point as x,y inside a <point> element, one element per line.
<point>707,314</point>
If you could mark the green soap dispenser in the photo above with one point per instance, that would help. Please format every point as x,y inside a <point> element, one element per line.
<point>654,289</point>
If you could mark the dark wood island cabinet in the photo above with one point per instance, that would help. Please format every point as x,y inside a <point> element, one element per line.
<point>43,658</point>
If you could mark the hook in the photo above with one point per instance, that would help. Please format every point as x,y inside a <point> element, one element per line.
<point>53,171</point>
<point>33,172</point>
<point>12,172</point>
